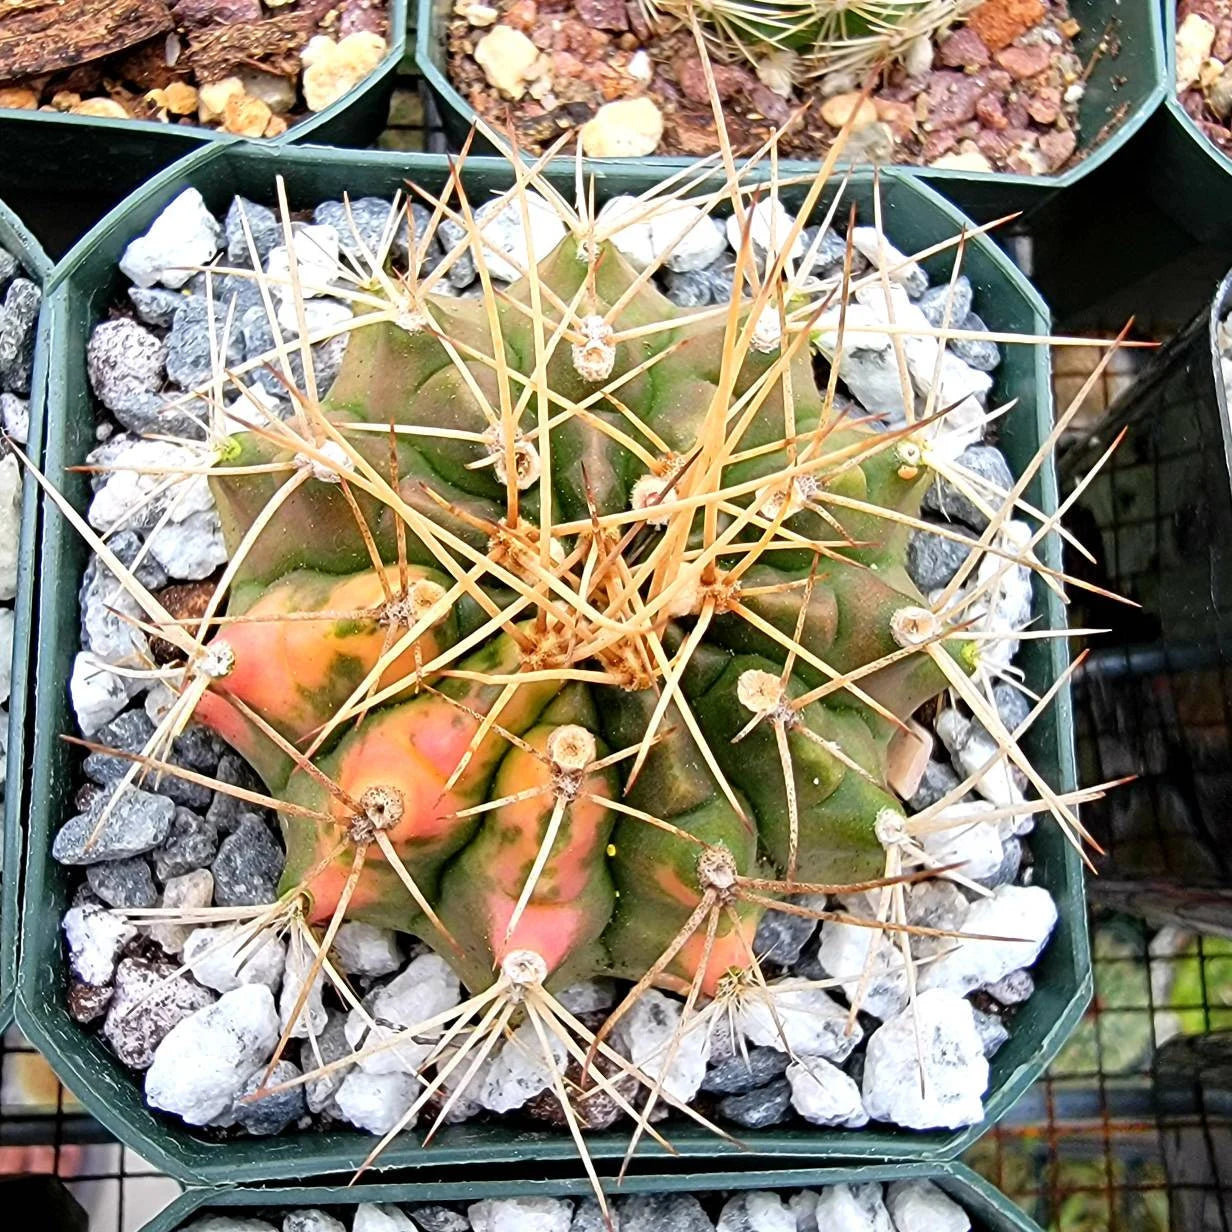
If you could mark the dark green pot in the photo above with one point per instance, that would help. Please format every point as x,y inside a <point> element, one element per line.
<point>67,171</point>
<point>1129,85</point>
<point>1191,178</point>
<point>17,239</point>
<point>85,283</point>
<point>989,1210</point>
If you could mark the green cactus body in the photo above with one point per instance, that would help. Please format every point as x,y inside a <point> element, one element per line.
<point>838,806</point>
<point>543,755</point>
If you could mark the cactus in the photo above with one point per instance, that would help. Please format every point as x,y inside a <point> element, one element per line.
<point>813,37</point>
<point>569,630</point>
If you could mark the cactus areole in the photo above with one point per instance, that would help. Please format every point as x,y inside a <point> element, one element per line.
<point>571,629</point>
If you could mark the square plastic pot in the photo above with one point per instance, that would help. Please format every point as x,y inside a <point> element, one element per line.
<point>85,284</point>
<point>1190,177</point>
<point>1121,94</point>
<point>83,165</point>
<point>17,240</point>
<point>989,1210</point>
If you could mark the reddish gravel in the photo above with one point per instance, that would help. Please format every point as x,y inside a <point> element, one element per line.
<point>1005,86</point>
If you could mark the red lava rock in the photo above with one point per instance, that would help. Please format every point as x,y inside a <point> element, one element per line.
<point>521,15</point>
<point>1057,146</point>
<point>1016,112</point>
<point>1217,133</point>
<point>637,20</point>
<point>316,10</point>
<point>192,13</point>
<point>732,79</point>
<point>1045,106</point>
<point>1194,104</point>
<point>773,106</point>
<point>86,1002</point>
<point>566,64</point>
<point>600,1111</point>
<point>972,96</point>
<point>183,601</point>
<point>1221,49</point>
<point>360,15</point>
<point>951,99</point>
<point>613,83</point>
<point>899,116</point>
<point>964,49</point>
<point>585,42</point>
<point>145,66</point>
<point>606,14</point>
<point>936,144</point>
<point>1024,62</point>
<point>85,79</point>
<point>1000,22</point>
<point>729,79</point>
<point>991,112</point>
<point>905,92</point>
<point>1210,9</point>
<point>694,134</point>
<point>666,90</point>
<point>995,146</point>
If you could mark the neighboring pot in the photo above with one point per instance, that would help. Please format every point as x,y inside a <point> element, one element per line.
<point>1190,176</point>
<point>1134,80</point>
<point>84,286</point>
<point>17,240</point>
<point>989,1210</point>
<point>83,165</point>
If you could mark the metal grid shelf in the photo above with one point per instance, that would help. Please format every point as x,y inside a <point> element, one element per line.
<point>1091,1146</point>
<point>1098,1144</point>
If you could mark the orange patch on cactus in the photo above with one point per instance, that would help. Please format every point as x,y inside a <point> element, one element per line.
<point>730,951</point>
<point>413,750</point>
<point>675,888</point>
<point>583,828</point>
<point>554,931</point>
<point>310,654</point>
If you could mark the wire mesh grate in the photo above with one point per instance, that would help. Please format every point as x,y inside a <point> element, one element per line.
<point>1091,1146</point>
<point>1102,1142</point>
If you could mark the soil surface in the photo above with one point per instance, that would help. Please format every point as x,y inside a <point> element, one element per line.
<point>239,65</point>
<point>1204,66</point>
<point>1001,93</point>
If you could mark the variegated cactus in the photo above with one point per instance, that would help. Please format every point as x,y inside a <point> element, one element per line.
<point>570,630</point>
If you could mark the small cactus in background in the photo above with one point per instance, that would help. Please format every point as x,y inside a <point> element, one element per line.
<point>811,38</point>
<point>570,630</point>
